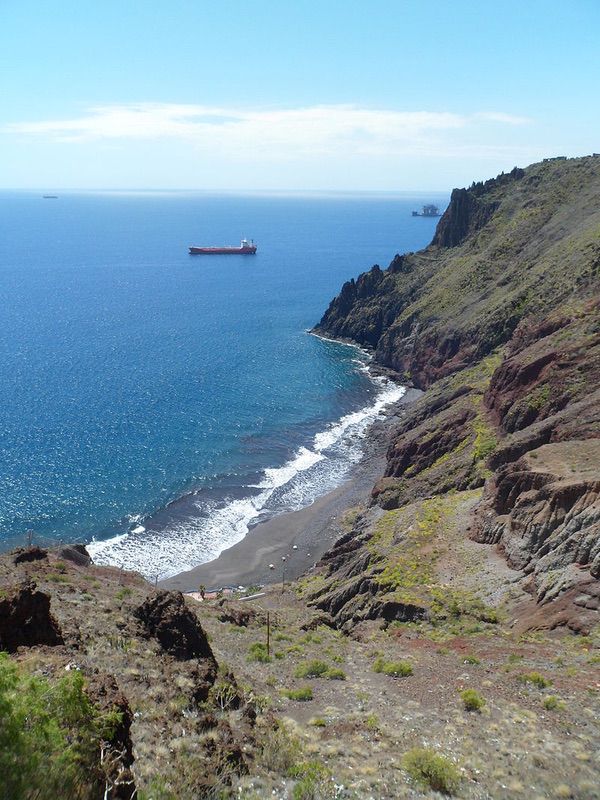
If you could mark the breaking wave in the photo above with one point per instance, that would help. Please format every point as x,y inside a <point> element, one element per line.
<point>200,528</point>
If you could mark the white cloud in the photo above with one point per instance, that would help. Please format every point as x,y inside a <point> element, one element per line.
<point>504,119</point>
<point>275,134</point>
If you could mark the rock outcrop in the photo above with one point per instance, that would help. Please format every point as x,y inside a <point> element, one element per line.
<point>25,619</point>
<point>499,320</point>
<point>544,512</point>
<point>108,699</point>
<point>166,618</point>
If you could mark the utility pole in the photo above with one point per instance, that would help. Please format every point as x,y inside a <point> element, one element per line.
<point>268,634</point>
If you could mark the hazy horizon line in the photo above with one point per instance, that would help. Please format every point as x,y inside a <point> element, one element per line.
<point>237,192</point>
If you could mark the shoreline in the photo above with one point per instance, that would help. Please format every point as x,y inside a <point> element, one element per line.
<point>311,530</point>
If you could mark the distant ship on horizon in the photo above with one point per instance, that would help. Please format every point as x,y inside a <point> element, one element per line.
<point>428,210</point>
<point>49,197</point>
<point>246,248</point>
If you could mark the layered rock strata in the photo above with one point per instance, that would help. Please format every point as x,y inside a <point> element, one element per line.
<point>499,320</point>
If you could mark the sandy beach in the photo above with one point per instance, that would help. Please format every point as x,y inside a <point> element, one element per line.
<point>301,537</point>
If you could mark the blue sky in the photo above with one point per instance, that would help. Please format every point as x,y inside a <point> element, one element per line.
<point>263,95</point>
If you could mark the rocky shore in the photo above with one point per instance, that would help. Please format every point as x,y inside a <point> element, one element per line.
<point>300,537</point>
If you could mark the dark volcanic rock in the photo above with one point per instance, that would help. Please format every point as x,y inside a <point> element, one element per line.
<point>76,553</point>
<point>105,694</point>
<point>465,214</point>
<point>25,619</point>
<point>552,363</point>
<point>167,619</point>
<point>239,615</point>
<point>26,554</point>
<point>419,452</point>
<point>471,209</point>
<point>393,611</point>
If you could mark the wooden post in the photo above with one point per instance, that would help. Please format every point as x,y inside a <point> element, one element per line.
<point>268,635</point>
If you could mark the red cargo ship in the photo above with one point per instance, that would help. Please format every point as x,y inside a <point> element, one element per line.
<point>246,248</point>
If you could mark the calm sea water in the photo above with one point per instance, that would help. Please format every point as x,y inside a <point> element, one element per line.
<point>160,403</point>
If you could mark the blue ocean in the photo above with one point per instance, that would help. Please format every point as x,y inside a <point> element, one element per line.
<point>157,404</point>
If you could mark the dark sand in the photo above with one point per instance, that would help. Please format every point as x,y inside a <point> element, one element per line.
<point>312,529</point>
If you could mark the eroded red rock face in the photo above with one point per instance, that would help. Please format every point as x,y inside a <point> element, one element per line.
<point>25,619</point>
<point>511,280</point>
<point>544,512</point>
<point>541,506</point>
<point>550,364</point>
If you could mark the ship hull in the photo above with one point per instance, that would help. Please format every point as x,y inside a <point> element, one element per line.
<point>222,251</point>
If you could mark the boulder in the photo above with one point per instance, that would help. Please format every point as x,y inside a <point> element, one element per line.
<point>76,554</point>
<point>25,619</point>
<point>166,618</point>
<point>26,554</point>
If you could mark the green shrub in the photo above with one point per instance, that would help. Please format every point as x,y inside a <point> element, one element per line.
<point>472,700</point>
<point>54,577</point>
<point>514,658</point>
<point>224,695</point>
<point>313,781</point>
<point>318,722</point>
<point>123,593</point>
<point>258,652</point>
<point>278,749</point>
<point>395,669</point>
<point>301,695</point>
<point>552,703</point>
<point>431,770</point>
<point>312,669</point>
<point>50,737</point>
<point>471,660</point>
<point>334,674</point>
<point>372,722</point>
<point>536,679</point>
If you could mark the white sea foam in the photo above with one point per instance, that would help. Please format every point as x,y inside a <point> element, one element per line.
<point>279,476</point>
<point>138,529</point>
<point>311,472</point>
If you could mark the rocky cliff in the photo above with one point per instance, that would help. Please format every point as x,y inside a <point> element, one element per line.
<point>499,320</point>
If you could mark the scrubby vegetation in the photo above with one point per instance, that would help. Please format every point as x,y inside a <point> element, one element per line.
<point>395,669</point>
<point>51,736</point>
<point>312,669</point>
<point>535,679</point>
<point>431,770</point>
<point>303,694</point>
<point>472,700</point>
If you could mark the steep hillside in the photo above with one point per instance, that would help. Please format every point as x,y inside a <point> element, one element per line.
<point>516,245</point>
<point>113,689</point>
<point>499,320</point>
